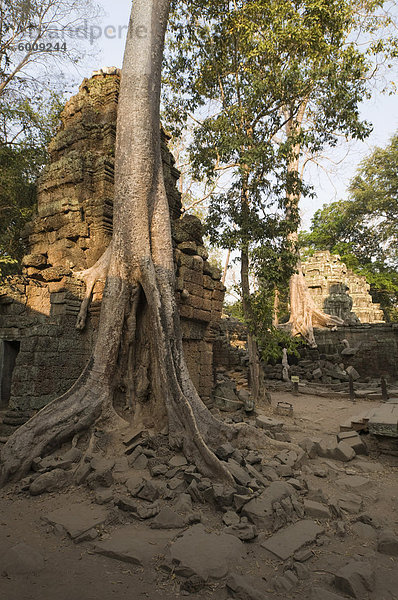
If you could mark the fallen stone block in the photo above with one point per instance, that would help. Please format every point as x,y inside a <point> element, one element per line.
<point>260,510</point>
<point>246,587</point>
<point>350,503</point>
<point>388,543</point>
<point>132,544</point>
<point>208,555</point>
<point>76,519</point>
<point>240,475</point>
<point>316,510</point>
<point>355,579</point>
<point>168,519</point>
<point>364,531</point>
<point>353,439</point>
<point>244,531</point>
<point>287,541</point>
<point>343,452</point>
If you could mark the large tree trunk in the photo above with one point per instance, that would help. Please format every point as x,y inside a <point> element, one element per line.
<point>258,392</point>
<point>139,342</point>
<point>304,315</point>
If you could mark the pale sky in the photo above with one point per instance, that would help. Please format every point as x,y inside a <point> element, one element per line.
<point>381,110</point>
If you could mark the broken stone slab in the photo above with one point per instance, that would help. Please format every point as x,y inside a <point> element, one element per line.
<point>21,559</point>
<point>388,543</point>
<point>225,451</point>
<point>260,510</point>
<point>309,446</point>
<point>351,371</point>
<point>230,518</point>
<point>178,461</point>
<point>208,555</point>
<point>103,496</point>
<point>351,503</point>
<point>76,519</point>
<point>343,452</point>
<point>133,544</point>
<point>183,504</point>
<point>316,510</point>
<point>247,587</point>
<point>286,582</point>
<point>368,466</point>
<point>240,475</point>
<point>355,579</point>
<point>363,530</point>
<point>338,451</point>
<point>353,439</point>
<point>287,541</point>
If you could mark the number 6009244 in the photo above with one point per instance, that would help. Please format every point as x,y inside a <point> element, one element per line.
<point>42,47</point>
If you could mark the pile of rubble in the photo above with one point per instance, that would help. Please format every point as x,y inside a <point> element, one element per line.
<point>153,508</point>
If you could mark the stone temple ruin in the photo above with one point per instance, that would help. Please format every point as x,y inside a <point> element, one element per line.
<point>339,291</point>
<point>41,352</point>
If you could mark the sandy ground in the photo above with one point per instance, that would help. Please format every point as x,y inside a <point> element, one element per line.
<point>73,572</point>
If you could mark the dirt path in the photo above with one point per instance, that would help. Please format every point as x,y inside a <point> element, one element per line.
<point>74,572</point>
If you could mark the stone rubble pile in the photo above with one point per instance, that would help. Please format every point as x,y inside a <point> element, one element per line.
<point>151,507</point>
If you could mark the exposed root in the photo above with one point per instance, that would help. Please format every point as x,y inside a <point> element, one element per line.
<point>304,315</point>
<point>57,422</point>
<point>90,276</point>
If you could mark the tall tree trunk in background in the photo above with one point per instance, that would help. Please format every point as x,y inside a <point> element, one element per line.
<point>258,391</point>
<point>304,315</point>
<point>139,340</point>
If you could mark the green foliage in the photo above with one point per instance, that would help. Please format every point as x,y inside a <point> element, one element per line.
<point>270,339</point>
<point>24,138</point>
<point>364,229</point>
<point>262,81</point>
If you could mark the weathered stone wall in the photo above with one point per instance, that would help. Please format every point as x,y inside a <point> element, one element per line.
<point>375,347</point>
<point>324,270</point>
<point>72,228</point>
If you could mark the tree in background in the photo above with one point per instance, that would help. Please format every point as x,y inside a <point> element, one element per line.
<point>23,153</point>
<point>269,86</point>
<point>221,69</point>
<point>364,229</point>
<point>36,36</point>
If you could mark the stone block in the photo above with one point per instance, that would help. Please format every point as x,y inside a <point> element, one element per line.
<point>356,579</point>
<point>289,540</point>
<point>388,543</point>
<point>316,510</point>
<point>353,373</point>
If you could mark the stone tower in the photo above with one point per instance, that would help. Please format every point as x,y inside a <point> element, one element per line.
<point>324,271</point>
